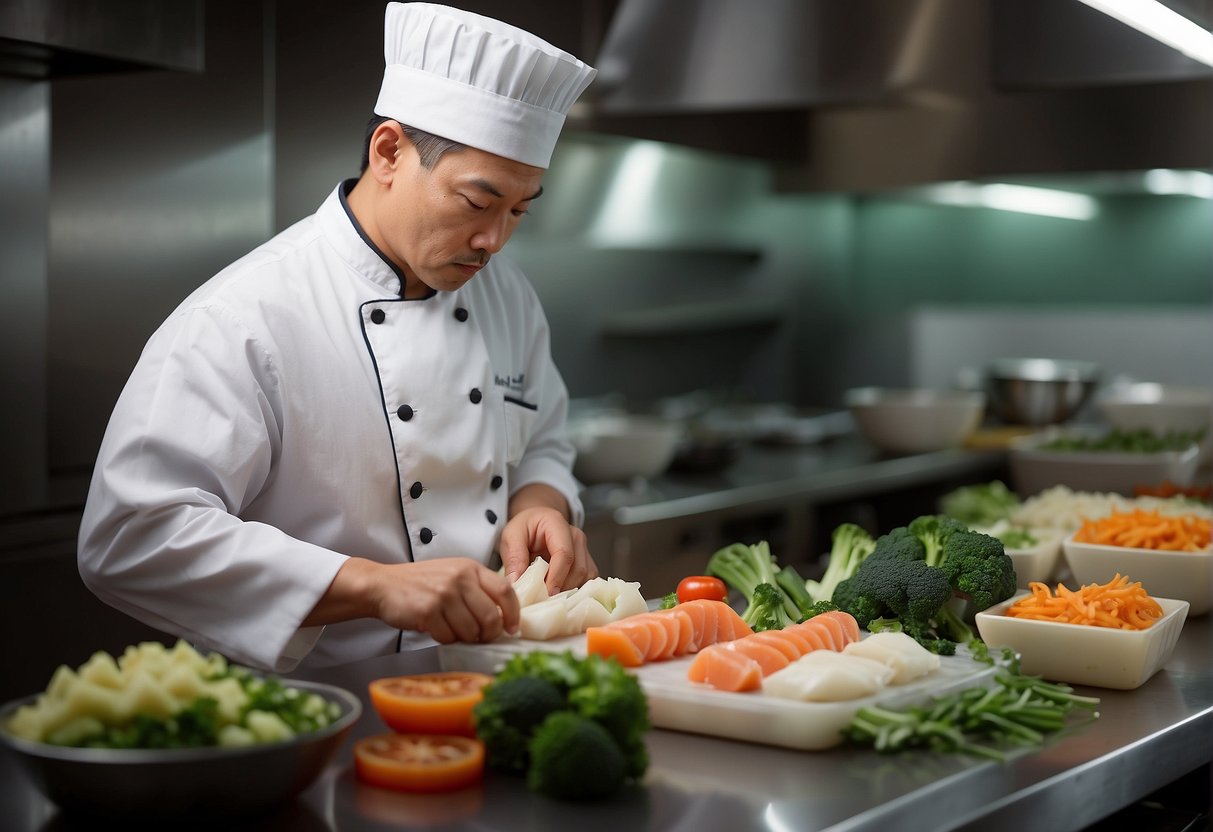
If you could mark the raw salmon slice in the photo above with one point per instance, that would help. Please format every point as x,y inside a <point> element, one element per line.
<point>687,628</point>
<point>725,670</point>
<point>772,650</point>
<point>784,642</point>
<point>769,659</point>
<point>658,636</point>
<point>614,643</point>
<point>720,621</point>
<point>673,635</point>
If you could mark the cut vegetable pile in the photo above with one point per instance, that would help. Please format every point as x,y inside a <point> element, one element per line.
<point>1141,529</point>
<point>1118,604</point>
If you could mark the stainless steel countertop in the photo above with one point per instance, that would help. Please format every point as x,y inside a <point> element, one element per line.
<point>1143,740</point>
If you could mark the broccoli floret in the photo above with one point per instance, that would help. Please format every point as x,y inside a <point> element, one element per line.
<point>613,698</point>
<point>978,568</point>
<point>598,689</point>
<point>849,545</point>
<point>849,597</point>
<point>908,590</point>
<point>575,758</point>
<point>934,530</point>
<point>817,608</point>
<point>508,715</point>
<point>744,567</point>
<point>766,610</point>
<point>669,601</point>
<point>898,544</point>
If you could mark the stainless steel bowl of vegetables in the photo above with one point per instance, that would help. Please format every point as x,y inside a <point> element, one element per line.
<point>150,767</point>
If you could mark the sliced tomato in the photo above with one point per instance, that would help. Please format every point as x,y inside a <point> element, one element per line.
<point>696,587</point>
<point>419,762</point>
<point>429,703</point>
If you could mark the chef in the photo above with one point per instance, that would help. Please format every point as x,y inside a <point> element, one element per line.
<point>320,452</point>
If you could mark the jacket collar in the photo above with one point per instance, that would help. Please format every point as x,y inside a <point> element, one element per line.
<point>345,234</point>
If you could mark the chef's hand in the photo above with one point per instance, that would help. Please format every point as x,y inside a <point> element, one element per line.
<point>452,599</point>
<point>539,527</point>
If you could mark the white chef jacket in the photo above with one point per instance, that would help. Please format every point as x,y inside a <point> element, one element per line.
<point>296,410</point>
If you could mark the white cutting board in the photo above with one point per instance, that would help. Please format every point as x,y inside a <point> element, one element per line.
<point>680,705</point>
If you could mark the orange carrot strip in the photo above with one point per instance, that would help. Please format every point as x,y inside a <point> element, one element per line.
<point>1118,604</point>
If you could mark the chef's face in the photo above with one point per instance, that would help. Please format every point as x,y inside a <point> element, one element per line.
<point>444,223</point>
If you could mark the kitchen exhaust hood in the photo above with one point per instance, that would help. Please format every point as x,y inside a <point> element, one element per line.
<point>872,94</point>
<point>47,39</point>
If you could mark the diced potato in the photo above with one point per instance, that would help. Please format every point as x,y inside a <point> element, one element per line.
<point>76,730</point>
<point>230,696</point>
<point>232,736</point>
<point>268,727</point>
<point>101,669</point>
<point>61,681</point>
<point>146,695</point>
<point>87,699</point>
<point>184,683</point>
<point>26,723</point>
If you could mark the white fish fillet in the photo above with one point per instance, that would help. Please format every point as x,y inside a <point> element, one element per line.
<point>827,676</point>
<point>909,659</point>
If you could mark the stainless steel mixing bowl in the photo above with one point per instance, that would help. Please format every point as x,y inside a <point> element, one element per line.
<point>1040,391</point>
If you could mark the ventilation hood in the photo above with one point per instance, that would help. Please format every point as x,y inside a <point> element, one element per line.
<point>872,94</point>
<point>44,39</point>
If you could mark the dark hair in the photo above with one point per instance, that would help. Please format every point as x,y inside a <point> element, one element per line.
<point>430,148</point>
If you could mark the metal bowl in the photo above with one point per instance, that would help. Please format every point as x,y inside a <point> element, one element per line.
<point>1040,391</point>
<point>180,782</point>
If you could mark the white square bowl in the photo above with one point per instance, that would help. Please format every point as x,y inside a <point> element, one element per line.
<point>1035,468</point>
<point>1186,576</point>
<point>1082,654</point>
<point>1037,562</point>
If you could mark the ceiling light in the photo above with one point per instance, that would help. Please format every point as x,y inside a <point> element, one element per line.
<point>1180,182</point>
<point>1162,24</point>
<point>1020,198</point>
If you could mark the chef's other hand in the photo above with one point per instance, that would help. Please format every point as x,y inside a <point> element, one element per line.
<point>545,532</point>
<point>452,599</point>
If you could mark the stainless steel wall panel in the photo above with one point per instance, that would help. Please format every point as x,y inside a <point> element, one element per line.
<point>24,172</point>
<point>158,181</point>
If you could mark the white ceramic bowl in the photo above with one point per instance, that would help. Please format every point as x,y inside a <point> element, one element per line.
<point>1081,654</point>
<point>918,420</point>
<point>1038,562</point>
<point>1161,408</point>
<point>1187,576</point>
<point>1035,468</point>
<point>621,447</point>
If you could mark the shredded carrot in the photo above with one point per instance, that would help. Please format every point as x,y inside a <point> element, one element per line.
<point>1141,529</point>
<point>1118,604</point>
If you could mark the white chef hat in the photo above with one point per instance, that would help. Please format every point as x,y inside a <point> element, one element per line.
<point>477,81</point>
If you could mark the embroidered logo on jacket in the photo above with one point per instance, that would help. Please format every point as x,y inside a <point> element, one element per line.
<point>511,383</point>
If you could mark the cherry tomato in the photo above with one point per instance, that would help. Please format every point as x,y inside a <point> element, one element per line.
<point>419,762</point>
<point>429,703</point>
<point>695,587</point>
